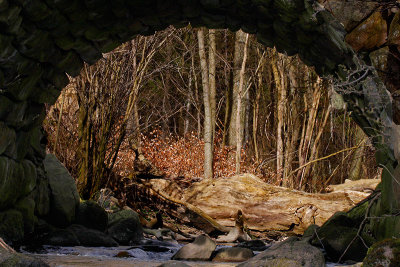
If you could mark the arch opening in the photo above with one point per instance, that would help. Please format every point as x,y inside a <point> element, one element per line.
<point>42,41</point>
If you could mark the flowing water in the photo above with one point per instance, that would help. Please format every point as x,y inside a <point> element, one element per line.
<point>123,256</point>
<point>107,257</point>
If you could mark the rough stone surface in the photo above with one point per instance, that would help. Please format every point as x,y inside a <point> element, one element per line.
<point>92,215</point>
<point>11,226</point>
<point>17,179</point>
<point>92,238</point>
<point>200,250</point>
<point>26,207</point>
<point>61,237</point>
<point>350,13</point>
<point>290,252</point>
<point>64,196</point>
<point>13,259</point>
<point>394,31</point>
<point>383,253</point>
<point>370,34</point>
<point>338,236</point>
<point>125,227</point>
<point>233,254</point>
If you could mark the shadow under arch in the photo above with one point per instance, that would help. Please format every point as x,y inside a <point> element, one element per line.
<point>42,40</point>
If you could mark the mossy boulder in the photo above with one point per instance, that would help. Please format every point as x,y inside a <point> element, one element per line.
<point>291,252</point>
<point>92,238</point>
<point>384,253</point>
<point>17,179</point>
<point>125,227</point>
<point>19,260</point>
<point>339,237</point>
<point>92,215</point>
<point>64,197</point>
<point>11,226</point>
<point>61,237</point>
<point>26,207</point>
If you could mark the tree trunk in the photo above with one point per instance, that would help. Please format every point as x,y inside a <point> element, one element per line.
<point>208,136</point>
<point>239,108</point>
<point>357,160</point>
<point>237,62</point>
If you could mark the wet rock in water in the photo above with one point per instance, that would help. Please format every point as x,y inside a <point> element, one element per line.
<point>64,194</point>
<point>62,237</point>
<point>234,254</point>
<point>19,260</point>
<point>123,254</point>
<point>92,215</point>
<point>8,257</point>
<point>290,252</point>
<point>174,264</point>
<point>383,253</point>
<point>125,227</point>
<point>254,245</point>
<point>201,249</point>
<point>91,237</point>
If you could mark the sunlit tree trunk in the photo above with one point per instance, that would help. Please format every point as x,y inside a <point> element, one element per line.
<point>237,63</point>
<point>357,160</point>
<point>211,77</point>
<point>239,107</point>
<point>208,135</point>
<point>277,67</point>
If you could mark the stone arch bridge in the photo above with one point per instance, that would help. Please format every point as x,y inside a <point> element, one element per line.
<point>43,40</point>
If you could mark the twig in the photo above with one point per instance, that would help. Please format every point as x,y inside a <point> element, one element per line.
<point>319,159</point>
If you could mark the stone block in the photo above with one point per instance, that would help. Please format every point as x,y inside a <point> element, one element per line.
<point>17,179</point>
<point>64,197</point>
<point>71,64</point>
<point>11,226</point>
<point>35,10</point>
<point>26,206</point>
<point>7,137</point>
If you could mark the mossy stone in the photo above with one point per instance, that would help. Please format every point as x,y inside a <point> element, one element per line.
<point>26,207</point>
<point>383,253</point>
<point>11,226</point>
<point>92,215</point>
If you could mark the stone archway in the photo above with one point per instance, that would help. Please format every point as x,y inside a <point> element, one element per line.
<point>42,40</point>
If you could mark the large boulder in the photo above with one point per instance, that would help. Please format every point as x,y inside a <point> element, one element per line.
<point>383,253</point>
<point>17,179</point>
<point>92,215</point>
<point>92,238</point>
<point>340,238</point>
<point>350,13</point>
<point>61,237</point>
<point>11,226</point>
<point>125,227</point>
<point>290,252</point>
<point>372,33</point>
<point>26,207</point>
<point>200,250</point>
<point>64,197</point>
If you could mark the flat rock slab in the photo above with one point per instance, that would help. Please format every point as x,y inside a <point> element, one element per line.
<point>267,207</point>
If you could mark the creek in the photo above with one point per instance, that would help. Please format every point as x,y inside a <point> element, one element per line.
<point>123,256</point>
